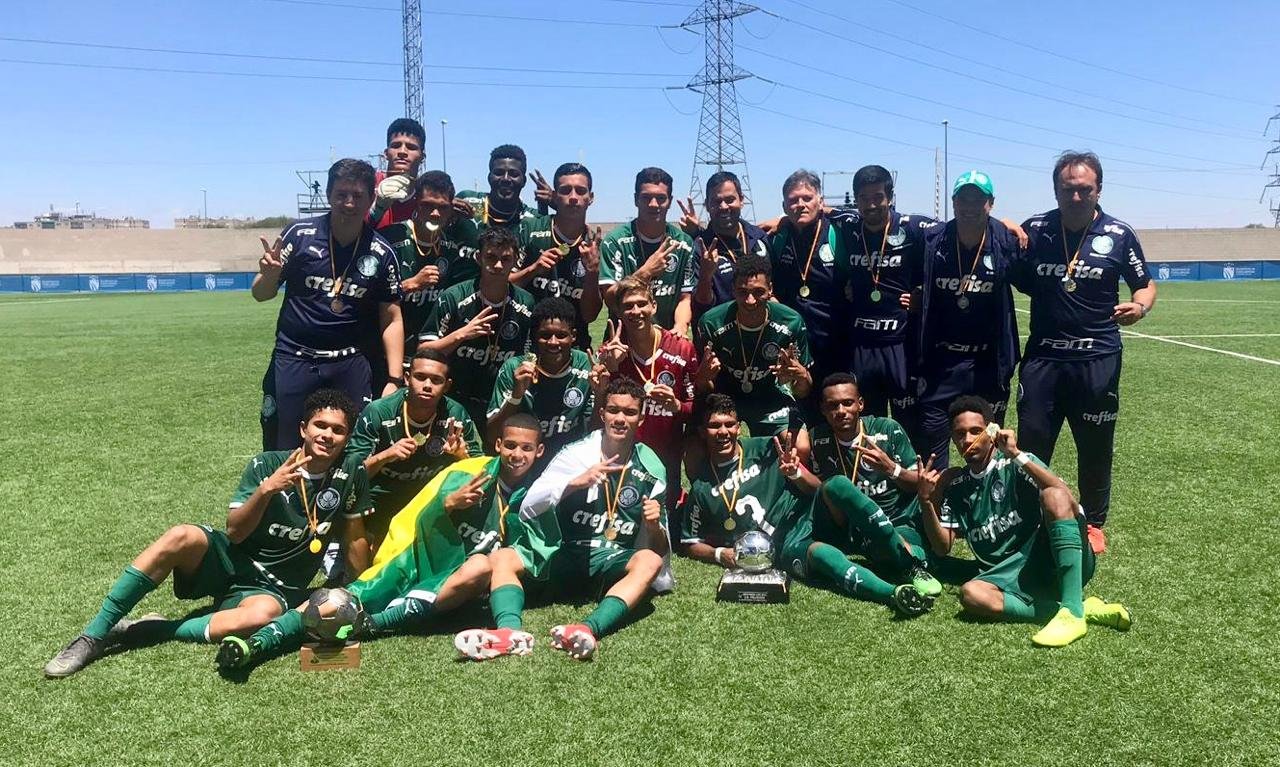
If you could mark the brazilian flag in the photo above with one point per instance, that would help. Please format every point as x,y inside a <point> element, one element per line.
<point>423,547</point>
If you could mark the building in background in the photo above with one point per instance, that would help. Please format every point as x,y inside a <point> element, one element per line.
<point>56,220</point>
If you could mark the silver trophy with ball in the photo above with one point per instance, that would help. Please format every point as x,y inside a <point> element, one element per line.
<point>755,580</point>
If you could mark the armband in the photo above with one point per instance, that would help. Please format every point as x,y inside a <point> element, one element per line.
<point>719,555</point>
<point>796,474</point>
<point>1022,459</point>
<point>897,470</point>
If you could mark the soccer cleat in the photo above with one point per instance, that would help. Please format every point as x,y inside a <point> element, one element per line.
<point>234,652</point>
<point>1064,629</point>
<point>1111,614</point>
<point>575,639</point>
<point>1097,539</point>
<point>909,602</point>
<point>483,644</point>
<point>928,586</point>
<point>363,627</point>
<point>82,651</point>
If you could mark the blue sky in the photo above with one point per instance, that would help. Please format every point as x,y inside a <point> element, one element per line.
<point>1174,100</point>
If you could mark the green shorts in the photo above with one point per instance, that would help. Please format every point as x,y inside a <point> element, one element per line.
<point>791,544</point>
<point>229,577</point>
<point>1031,573</point>
<point>580,569</point>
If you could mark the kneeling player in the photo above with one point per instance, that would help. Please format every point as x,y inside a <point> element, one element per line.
<point>1024,527</point>
<point>607,492</point>
<point>747,484</point>
<point>867,468</point>
<point>287,509</point>
<point>437,552</point>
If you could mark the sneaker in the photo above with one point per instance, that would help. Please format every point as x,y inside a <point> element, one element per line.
<point>234,652</point>
<point>362,627</point>
<point>909,602</point>
<point>483,644</point>
<point>928,586</point>
<point>135,632</point>
<point>575,639</point>
<point>82,651</point>
<point>1064,629</point>
<point>1097,540</point>
<point>1111,614</point>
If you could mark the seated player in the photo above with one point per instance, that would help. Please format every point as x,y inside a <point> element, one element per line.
<point>501,206</point>
<point>436,556</point>
<point>435,250</point>
<point>406,438</point>
<point>481,323</point>
<point>606,491</point>
<point>756,484</point>
<point>404,153</point>
<point>1023,526</point>
<point>552,383</point>
<point>560,255</point>
<point>286,510</point>
<point>662,362</point>
<point>757,350</point>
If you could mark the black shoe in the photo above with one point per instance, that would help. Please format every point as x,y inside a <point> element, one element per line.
<point>82,651</point>
<point>909,602</point>
<point>233,652</point>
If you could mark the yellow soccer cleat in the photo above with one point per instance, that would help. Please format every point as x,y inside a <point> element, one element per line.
<point>1111,614</point>
<point>1064,629</point>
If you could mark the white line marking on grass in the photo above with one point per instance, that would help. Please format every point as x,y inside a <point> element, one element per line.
<point>39,301</point>
<point>1220,300</point>
<point>1229,335</point>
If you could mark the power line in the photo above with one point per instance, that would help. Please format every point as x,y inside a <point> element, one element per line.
<point>1075,60</point>
<point>467,14</point>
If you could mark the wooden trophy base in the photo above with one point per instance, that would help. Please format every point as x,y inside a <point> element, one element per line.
<point>328,657</point>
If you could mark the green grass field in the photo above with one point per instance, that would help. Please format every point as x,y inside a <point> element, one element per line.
<point>127,414</point>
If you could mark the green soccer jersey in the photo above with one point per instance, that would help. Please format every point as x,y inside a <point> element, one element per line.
<point>474,365</point>
<point>609,515</point>
<point>743,494</point>
<point>454,254</point>
<point>997,511</point>
<point>746,354</point>
<point>383,423</point>
<point>492,523</point>
<point>280,546</point>
<point>563,404</point>
<point>833,458</point>
<point>484,218</point>
<point>566,279</point>
<point>623,251</point>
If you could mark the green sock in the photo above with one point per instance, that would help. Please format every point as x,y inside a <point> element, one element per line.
<point>1068,555</point>
<point>606,616</point>
<point>864,515</point>
<point>125,593</point>
<point>507,604</point>
<point>272,636</point>
<point>193,630</point>
<point>400,613</point>
<point>854,580</point>
<point>1039,611</point>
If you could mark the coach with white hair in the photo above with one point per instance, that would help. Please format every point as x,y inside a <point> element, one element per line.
<point>1072,268</point>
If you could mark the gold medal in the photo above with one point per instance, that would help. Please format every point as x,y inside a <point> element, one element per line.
<point>611,533</point>
<point>563,248</point>
<point>315,546</point>
<point>730,523</point>
<point>1069,284</point>
<point>337,305</point>
<point>875,295</point>
<point>420,438</point>
<point>747,387</point>
<point>649,386</point>
<point>804,291</point>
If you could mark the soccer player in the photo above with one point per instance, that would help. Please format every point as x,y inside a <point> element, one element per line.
<point>757,350</point>
<point>867,468</point>
<point>405,149</point>
<point>440,548</point>
<point>481,323</point>
<point>435,250</point>
<point>286,510</point>
<point>552,383</point>
<point>968,335</point>
<point>756,483</point>
<point>409,436</point>
<point>1071,370</point>
<point>665,365</point>
<point>1023,526</point>
<point>607,492</point>
<point>559,254</point>
<point>725,239</point>
<point>341,302</point>
<point>809,269</point>
<point>501,205</point>
<point>653,250</point>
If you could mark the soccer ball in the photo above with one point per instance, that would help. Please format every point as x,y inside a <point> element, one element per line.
<point>754,552</point>
<point>332,614</point>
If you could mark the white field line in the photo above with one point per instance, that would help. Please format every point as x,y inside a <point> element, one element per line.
<point>1229,335</point>
<point>1218,301</point>
<point>40,301</point>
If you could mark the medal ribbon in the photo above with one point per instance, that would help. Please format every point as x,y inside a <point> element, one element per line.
<point>652,363</point>
<point>492,217</point>
<point>333,267</point>
<point>748,363</point>
<point>742,238</point>
<point>732,502</point>
<point>404,409</point>
<point>856,463</point>
<point>502,512</point>
<point>964,282</point>
<point>1072,259</point>
<point>813,247</point>
<point>611,502</point>
<point>309,508</point>
<point>875,268</point>
<point>433,243</point>
<point>561,243</point>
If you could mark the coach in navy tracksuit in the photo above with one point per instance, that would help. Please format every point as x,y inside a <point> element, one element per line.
<point>341,307</point>
<point>1072,269</point>
<point>968,341</point>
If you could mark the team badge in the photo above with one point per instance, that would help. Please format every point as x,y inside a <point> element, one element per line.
<point>897,238</point>
<point>770,351</point>
<point>268,406</point>
<point>1164,272</point>
<point>509,330</point>
<point>997,491</point>
<point>667,378</point>
<point>94,284</point>
<point>435,446</point>
<point>573,397</point>
<point>368,266</point>
<point>36,284</point>
<point>673,263</point>
<point>579,270</point>
<point>328,499</point>
<point>628,496</point>
<point>1102,244</point>
<point>442,265</point>
<point>210,282</point>
<point>825,255</point>
<point>152,283</point>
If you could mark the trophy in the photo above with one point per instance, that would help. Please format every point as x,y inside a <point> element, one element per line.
<point>754,580</point>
